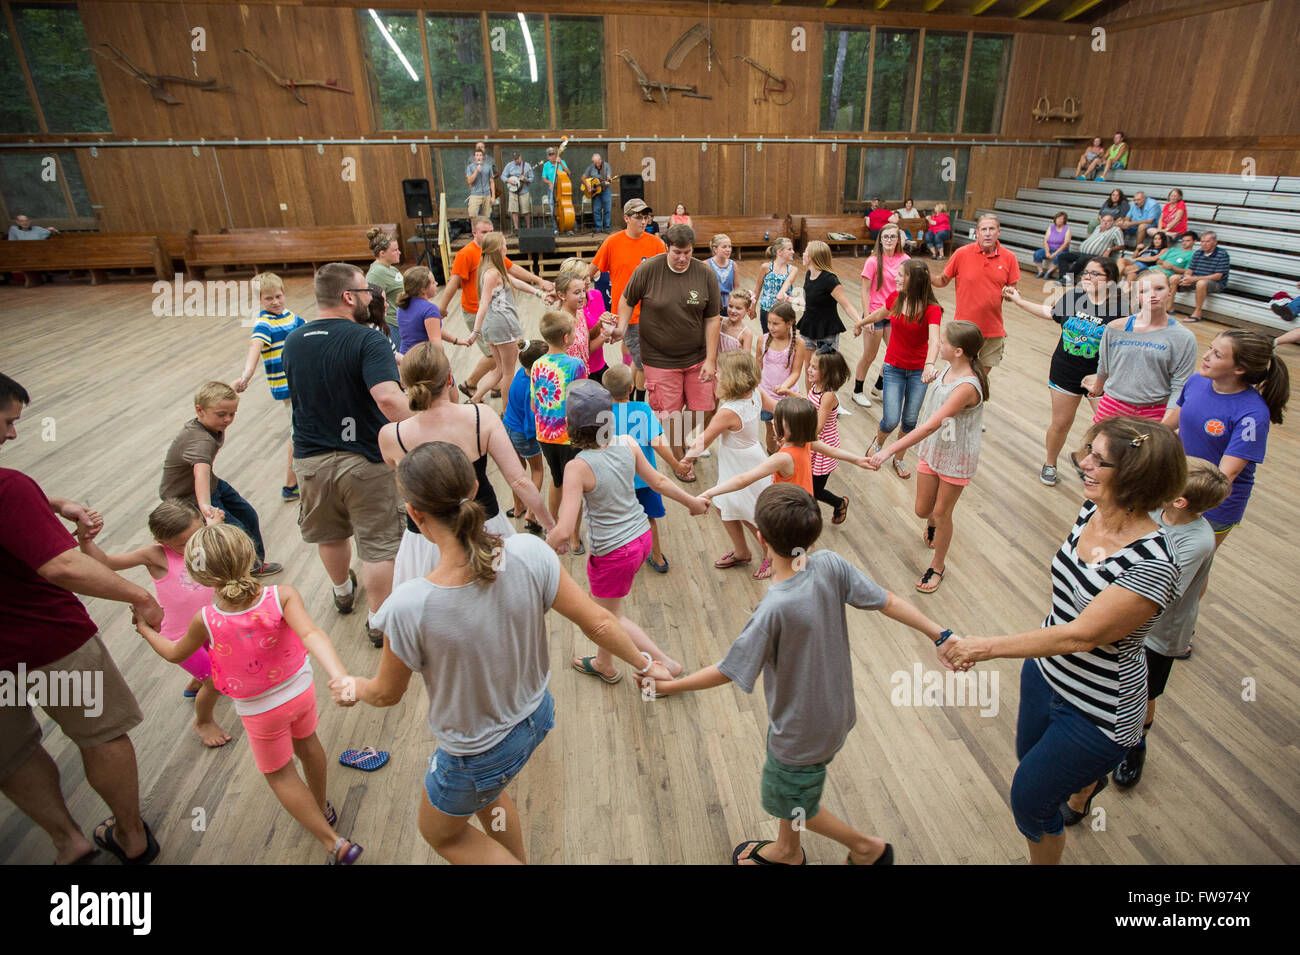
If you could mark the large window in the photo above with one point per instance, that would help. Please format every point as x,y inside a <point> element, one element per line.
<point>881,172</point>
<point>16,113</point>
<point>519,71</point>
<point>913,80</point>
<point>927,175</point>
<point>54,44</point>
<point>986,86</point>
<point>396,66</point>
<point>577,52</point>
<point>893,80</point>
<point>46,187</point>
<point>844,77</point>
<point>942,66</point>
<point>939,175</point>
<point>458,71</point>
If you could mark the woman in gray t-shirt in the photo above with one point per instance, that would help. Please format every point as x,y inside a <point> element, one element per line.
<point>475,630</point>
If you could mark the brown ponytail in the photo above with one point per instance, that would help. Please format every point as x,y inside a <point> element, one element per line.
<point>1261,369</point>
<point>968,337</point>
<point>424,375</point>
<point>414,281</point>
<point>221,556</point>
<point>379,241</point>
<point>438,481</point>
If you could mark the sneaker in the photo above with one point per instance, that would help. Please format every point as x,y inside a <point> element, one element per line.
<point>859,398</point>
<point>344,604</point>
<point>1100,179</point>
<point>266,568</point>
<point>1048,475</point>
<point>289,493</point>
<point>376,637</point>
<point>876,390</point>
<point>1281,311</point>
<point>844,410</point>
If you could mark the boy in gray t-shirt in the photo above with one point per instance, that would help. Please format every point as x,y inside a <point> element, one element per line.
<point>798,640</point>
<point>1191,538</point>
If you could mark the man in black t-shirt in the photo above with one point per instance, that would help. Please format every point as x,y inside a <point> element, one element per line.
<point>344,387</point>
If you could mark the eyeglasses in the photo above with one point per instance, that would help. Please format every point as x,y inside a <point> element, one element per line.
<point>368,288</point>
<point>1090,453</point>
<point>1096,275</point>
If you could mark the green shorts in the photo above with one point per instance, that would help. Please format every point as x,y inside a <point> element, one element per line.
<point>792,792</point>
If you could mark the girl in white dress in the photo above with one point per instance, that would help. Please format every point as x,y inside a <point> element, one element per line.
<point>736,421</point>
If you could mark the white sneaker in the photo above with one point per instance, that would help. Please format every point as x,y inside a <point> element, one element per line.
<point>860,398</point>
<point>844,411</point>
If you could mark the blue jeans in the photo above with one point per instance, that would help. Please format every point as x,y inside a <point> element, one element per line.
<point>904,393</point>
<point>464,785</point>
<point>1041,256</point>
<point>1293,306</point>
<point>1060,751</point>
<point>600,207</point>
<point>937,239</point>
<point>239,513</point>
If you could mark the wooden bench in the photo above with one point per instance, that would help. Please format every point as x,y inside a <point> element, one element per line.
<point>95,252</point>
<point>295,245</point>
<point>745,232</point>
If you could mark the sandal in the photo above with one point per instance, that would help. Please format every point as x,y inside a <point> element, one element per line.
<point>347,858</point>
<point>465,390</point>
<point>927,584</point>
<point>929,535</point>
<point>367,760</point>
<point>886,857</point>
<point>659,568</point>
<point>841,510</point>
<point>579,550</point>
<point>900,468</point>
<point>688,480</point>
<point>331,816</point>
<point>764,570</point>
<point>754,845</point>
<point>729,559</point>
<point>584,666</point>
<point>109,844</point>
<point>533,527</point>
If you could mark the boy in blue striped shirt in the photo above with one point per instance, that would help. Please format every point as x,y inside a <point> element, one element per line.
<point>274,323</point>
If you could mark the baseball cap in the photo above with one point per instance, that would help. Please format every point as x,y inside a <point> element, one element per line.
<point>587,404</point>
<point>635,205</point>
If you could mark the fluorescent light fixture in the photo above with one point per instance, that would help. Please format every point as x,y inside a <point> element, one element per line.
<point>393,43</point>
<point>528,42</point>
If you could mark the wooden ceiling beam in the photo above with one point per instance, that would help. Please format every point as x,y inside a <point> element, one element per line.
<point>979,6</point>
<point>1028,7</point>
<point>1078,8</point>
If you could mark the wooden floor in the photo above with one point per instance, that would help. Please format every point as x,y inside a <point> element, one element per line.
<point>674,781</point>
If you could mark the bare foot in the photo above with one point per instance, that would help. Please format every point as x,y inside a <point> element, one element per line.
<point>673,667</point>
<point>66,853</point>
<point>877,850</point>
<point>193,686</point>
<point>211,734</point>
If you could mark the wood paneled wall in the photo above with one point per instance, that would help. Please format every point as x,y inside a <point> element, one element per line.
<point>1225,62</point>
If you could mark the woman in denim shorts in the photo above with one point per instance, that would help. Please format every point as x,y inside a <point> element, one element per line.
<point>475,630</point>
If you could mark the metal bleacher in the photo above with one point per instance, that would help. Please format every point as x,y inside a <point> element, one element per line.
<point>1257,221</point>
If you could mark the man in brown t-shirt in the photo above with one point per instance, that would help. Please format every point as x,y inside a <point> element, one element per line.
<point>681,308</point>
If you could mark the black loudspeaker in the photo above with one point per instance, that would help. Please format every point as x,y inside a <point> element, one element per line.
<point>536,240</point>
<point>419,201</point>
<point>631,187</point>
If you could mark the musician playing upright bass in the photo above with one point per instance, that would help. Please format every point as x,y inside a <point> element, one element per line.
<point>549,173</point>
<point>596,183</point>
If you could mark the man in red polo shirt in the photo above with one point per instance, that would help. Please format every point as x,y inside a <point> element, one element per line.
<point>52,656</point>
<point>982,270</point>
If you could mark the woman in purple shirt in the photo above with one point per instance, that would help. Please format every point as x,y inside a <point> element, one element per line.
<point>1056,238</point>
<point>418,319</point>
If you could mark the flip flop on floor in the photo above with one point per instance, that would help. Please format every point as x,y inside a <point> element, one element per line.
<point>367,760</point>
<point>764,570</point>
<point>927,584</point>
<point>584,666</point>
<point>659,568</point>
<point>331,816</point>
<point>900,468</point>
<point>729,559</point>
<point>109,844</point>
<point>886,857</point>
<point>754,857</point>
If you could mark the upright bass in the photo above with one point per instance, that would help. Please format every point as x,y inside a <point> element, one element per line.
<point>565,219</point>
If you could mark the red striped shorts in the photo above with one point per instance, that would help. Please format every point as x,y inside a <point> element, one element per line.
<point>1109,407</point>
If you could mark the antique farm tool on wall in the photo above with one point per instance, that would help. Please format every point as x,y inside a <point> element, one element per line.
<point>293,85</point>
<point>777,90</point>
<point>157,82</point>
<point>688,41</point>
<point>1068,111</point>
<point>649,86</point>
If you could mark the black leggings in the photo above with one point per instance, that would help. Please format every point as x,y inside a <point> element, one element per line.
<point>823,495</point>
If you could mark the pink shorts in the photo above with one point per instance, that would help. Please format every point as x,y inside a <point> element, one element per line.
<point>671,389</point>
<point>611,575</point>
<point>1109,407</point>
<point>198,664</point>
<point>271,734</point>
<point>923,468</point>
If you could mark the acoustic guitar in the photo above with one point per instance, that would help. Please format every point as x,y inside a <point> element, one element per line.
<point>592,185</point>
<point>565,218</point>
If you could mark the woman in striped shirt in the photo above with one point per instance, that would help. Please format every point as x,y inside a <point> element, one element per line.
<point>1083,686</point>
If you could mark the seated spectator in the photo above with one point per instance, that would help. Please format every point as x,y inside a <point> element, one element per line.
<point>1094,152</point>
<point>25,230</point>
<point>1206,273</point>
<point>1141,216</point>
<point>1286,306</point>
<point>1148,252</point>
<point>1055,240</point>
<point>680,216</point>
<point>1175,260</point>
<point>906,213</point>
<point>1116,206</point>
<point>1173,217</point>
<point>939,230</point>
<point>1116,158</point>
<point>1106,241</point>
<point>876,217</point>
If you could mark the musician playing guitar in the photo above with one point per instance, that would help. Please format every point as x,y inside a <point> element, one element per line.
<point>518,177</point>
<point>549,172</point>
<point>596,184</point>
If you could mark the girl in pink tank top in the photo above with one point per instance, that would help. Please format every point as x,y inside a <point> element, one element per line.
<point>260,660</point>
<point>172,523</point>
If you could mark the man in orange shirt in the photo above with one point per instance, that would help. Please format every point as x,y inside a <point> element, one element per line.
<point>619,255</point>
<point>982,270</point>
<point>464,277</point>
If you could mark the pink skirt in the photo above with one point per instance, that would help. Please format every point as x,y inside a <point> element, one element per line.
<point>1109,407</point>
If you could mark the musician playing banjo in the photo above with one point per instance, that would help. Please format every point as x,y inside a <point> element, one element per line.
<point>596,183</point>
<point>518,177</point>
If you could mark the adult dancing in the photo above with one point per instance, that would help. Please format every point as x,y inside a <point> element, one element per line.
<point>475,630</point>
<point>1083,686</point>
<point>1082,312</point>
